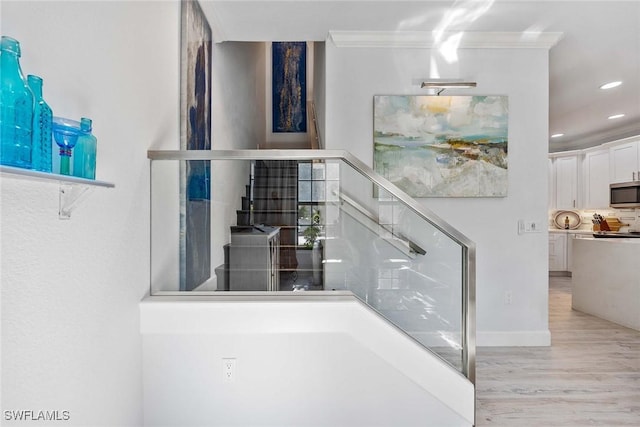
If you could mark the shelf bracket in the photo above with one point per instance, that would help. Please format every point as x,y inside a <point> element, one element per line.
<point>70,197</point>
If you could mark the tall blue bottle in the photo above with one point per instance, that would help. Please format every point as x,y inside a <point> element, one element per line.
<point>16,108</point>
<point>84,153</point>
<point>41,136</point>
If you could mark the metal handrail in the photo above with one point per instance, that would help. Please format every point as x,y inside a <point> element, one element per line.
<point>468,247</point>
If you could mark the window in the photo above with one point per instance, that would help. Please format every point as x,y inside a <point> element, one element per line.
<point>318,183</point>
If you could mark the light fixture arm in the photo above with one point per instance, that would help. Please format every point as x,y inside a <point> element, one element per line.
<point>447,84</point>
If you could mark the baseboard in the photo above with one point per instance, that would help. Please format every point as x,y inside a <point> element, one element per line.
<point>513,338</point>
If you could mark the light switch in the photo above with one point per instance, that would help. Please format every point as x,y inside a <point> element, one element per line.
<point>528,226</point>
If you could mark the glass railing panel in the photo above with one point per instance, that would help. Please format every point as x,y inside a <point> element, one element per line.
<point>398,263</point>
<point>165,225</point>
<point>190,228</point>
<point>429,300</point>
<point>256,221</point>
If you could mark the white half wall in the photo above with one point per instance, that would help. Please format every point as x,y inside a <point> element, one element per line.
<point>506,262</point>
<point>298,363</point>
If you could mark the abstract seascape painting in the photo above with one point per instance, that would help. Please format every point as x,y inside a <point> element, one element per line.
<point>442,146</point>
<point>289,86</point>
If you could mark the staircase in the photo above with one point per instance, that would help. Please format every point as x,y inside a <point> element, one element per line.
<point>271,199</point>
<point>275,203</point>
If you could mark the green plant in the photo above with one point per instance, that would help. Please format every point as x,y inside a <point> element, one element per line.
<point>312,232</point>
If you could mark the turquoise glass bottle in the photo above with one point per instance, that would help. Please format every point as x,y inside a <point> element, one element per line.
<point>16,108</point>
<point>41,136</point>
<point>84,153</point>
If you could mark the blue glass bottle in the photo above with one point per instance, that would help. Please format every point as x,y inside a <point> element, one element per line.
<point>41,137</point>
<point>84,153</point>
<point>16,108</point>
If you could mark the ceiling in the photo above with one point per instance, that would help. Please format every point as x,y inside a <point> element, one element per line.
<point>600,43</point>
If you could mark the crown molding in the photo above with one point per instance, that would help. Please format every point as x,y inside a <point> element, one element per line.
<point>616,135</point>
<point>427,40</point>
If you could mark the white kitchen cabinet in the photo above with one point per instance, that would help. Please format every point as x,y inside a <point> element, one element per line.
<point>571,238</point>
<point>561,249</point>
<point>557,251</point>
<point>566,179</point>
<point>625,162</point>
<point>580,179</point>
<point>595,167</point>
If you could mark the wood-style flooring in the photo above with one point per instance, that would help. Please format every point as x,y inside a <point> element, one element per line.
<point>590,376</point>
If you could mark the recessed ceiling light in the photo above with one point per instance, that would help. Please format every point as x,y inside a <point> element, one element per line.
<point>616,116</point>
<point>557,135</point>
<point>611,85</point>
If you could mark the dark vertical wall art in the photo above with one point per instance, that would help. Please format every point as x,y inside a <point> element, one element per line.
<point>195,134</point>
<point>289,86</point>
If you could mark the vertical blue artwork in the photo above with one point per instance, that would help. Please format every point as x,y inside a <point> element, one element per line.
<point>289,86</point>
<point>195,132</point>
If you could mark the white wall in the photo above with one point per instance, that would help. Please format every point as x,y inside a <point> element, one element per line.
<point>506,261</point>
<point>319,87</point>
<point>71,289</point>
<point>238,122</point>
<point>238,106</point>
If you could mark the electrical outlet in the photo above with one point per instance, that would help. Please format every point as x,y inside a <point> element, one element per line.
<point>229,370</point>
<point>508,298</point>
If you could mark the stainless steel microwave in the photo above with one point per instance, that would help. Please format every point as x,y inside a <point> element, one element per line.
<point>625,195</point>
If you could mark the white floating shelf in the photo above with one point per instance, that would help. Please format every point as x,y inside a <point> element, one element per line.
<point>62,179</point>
<point>72,188</point>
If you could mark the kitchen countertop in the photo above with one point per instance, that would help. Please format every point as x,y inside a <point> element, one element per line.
<point>588,235</point>
<point>632,240</point>
<point>576,231</point>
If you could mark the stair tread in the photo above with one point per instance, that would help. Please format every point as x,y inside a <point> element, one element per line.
<point>279,198</point>
<point>288,211</point>
<point>270,187</point>
<point>282,227</point>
